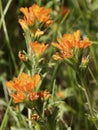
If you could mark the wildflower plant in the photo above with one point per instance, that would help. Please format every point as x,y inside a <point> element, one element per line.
<point>37,90</point>
<point>26,88</point>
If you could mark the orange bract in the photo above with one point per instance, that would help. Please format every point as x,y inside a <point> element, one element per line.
<point>36,95</point>
<point>23,86</point>
<point>38,48</point>
<point>68,43</point>
<point>18,97</point>
<point>22,56</point>
<point>35,12</point>
<point>61,94</point>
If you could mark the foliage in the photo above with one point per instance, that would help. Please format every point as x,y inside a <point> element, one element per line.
<point>48,65</point>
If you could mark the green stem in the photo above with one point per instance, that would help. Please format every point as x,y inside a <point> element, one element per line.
<point>39,2</point>
<point>94,42</point>
<point>93,76</point>
<point>90,107</point>
<point>92,50</point>
<point>81,83</point>
<point>29,116</point>
<point>5,90</point>
<point>54,74</point>
<point>4,12</point>
<point>5,119</point>
<point>7,39</point>
<point>88,99</point>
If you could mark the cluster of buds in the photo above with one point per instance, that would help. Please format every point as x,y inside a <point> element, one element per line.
<point>22,56</point>
<point>43,95</point>
<point>35,117</point>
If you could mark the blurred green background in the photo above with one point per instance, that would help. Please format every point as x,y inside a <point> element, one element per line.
<point>82,15</point>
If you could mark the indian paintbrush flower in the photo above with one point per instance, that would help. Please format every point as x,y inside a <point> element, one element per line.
<point>36,13</point>
<point>22,86</point>
<point>38,48</point>
<point>68,44</point>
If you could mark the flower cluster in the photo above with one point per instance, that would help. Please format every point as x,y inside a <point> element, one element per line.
<point>38,48</point>
<point>35,13</point>
<point>35,18</point>
<point>24,88</point>
<point>29,88</point>
<point>68,44</point>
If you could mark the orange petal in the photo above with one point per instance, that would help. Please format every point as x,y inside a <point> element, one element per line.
<point>10,84</point>
<point>19,97</point>
<point>36,79</point>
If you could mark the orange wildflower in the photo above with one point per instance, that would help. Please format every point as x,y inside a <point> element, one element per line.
<point>38,48</point>
<point>35,12</point>
<point>68,43</point>
<point>23,86</point>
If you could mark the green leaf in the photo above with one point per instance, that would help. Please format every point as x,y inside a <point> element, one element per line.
<point>1,53</point>
<point>69,128</point>
<point>69,92</point>
<point>14,128</point>
<point>49,4</point>
<point>94,6</point>
<point>3,62</point>
<point>2,102</point>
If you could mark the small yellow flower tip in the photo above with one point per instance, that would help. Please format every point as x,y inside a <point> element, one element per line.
<point>39,33</point>
<point>85,60</point>
<point>57,57</point>
<point>45,95</point>
<point>48,23</point>
<point>23,24</point>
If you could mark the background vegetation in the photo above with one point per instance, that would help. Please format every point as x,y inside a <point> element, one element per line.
<point>82,15</point>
